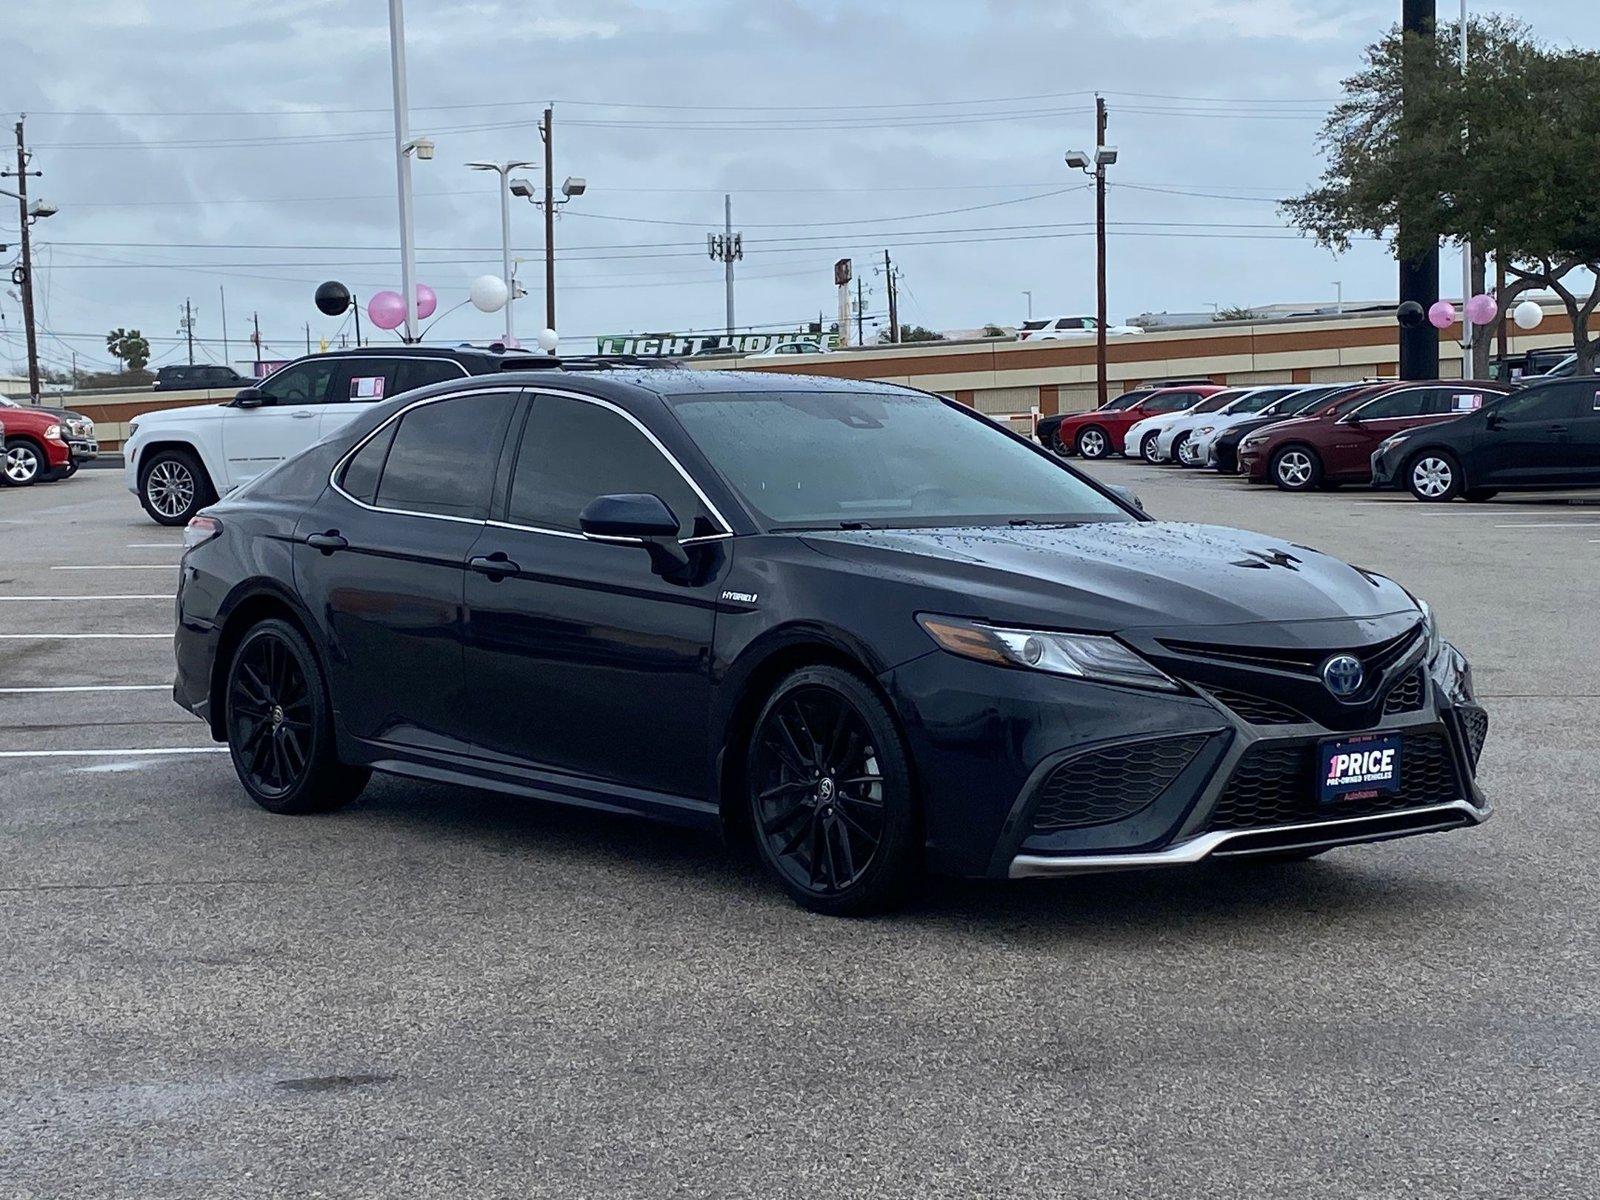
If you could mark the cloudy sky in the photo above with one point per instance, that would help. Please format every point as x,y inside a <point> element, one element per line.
<point>248,147</point>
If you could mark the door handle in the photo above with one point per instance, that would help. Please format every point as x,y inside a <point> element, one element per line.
<point>1557,429</point>
<point>495,566</point>
<point>327,542</point>
<point>303,415</point>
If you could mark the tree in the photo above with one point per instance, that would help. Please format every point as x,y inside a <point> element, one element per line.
<point>916,333</point>
<point>993,330</point>
<point>1235,313</point>
<point>1503,155</point>
<point>130,346</point>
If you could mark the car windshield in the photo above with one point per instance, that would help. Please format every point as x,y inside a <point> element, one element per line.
<point>1213,402</point>
<point>1126,400</point>
<point>873,459</point>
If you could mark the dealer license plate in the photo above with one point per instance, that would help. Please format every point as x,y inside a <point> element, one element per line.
<point>1359,768</point>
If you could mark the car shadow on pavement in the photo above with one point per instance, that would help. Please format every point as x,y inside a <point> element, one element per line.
<point>560,840</point>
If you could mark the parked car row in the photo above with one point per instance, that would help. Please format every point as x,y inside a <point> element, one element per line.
<point>1438,439</point>
<point>43,444</point>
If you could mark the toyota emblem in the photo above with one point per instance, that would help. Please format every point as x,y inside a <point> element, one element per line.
<point>1343,675</point>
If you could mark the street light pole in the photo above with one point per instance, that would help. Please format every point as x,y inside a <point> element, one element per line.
<point>402,162</point>
<point>1095,166</point>
<point>547,131</point>
<point>1029,295</point>
<point>503,170</point>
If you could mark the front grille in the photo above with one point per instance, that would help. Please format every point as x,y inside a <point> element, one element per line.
<point>1405,696</point>
<point>1110,784</point>
<point>1475,724</point>
<point>1258,710</point>
<point>1278,785</point>
<point>1374,658</point>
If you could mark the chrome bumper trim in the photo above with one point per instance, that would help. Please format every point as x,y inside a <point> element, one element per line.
<point>1345,831</point>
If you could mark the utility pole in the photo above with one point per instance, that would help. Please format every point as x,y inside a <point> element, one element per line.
<point>255,338</point>
<point>725,247</point>
<point>861,311</point>
<point>25,281</point>
<point>1467,331</point>
<point>308,337</point>
<point>548,133</point>
<point>1500,290</point>
<point>222,298</point>
<point>894,299</point>
<point>186,327</point>
<point>1419,277</point>
<point>1100,250</point>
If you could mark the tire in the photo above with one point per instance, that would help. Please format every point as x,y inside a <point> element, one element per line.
<point>1479,495</point>
<point>1148,449</point>
<point>66,472</point>
<point>827,780</point>
<point>1433,476</point>
<point>173,486</point>
<point>1092,442</point>
<point>280,725</point>
<point>1296,469</point>
<point>24,463</point>
<point>1178,445</point>
<point>1060,446</point>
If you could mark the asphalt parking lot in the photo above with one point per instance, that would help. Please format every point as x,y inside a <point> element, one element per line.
<point>449,993</point>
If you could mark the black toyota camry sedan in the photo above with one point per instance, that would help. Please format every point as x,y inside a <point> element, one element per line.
<point>861,626</point>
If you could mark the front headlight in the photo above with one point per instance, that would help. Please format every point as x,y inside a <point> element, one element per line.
<point>1389,443</point>
<point>1082,655</point>
<point>52,433</point>
<point>133,428</point>
<point>1430,629</point>
<point>1203,430</point>
<point>1250,443</point>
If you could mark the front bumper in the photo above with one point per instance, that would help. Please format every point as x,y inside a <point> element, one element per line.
<point>84,449</point>
<point>1253,463</point>
<point>1024,774</point>
<point>1386,467</point>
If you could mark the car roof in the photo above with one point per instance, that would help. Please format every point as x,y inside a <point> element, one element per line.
<point>678,381</point>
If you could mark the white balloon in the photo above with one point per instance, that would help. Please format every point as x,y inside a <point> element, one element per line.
<point>489,293</point>
<point>1527,315</point>
<point>548,341</point>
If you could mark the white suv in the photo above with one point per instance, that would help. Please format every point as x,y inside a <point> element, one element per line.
<point>1060,329</point>
<point>181,459</point>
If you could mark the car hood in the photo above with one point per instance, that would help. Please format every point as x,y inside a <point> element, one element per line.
<point>1290,423</point>
<point>1116,576</point>
<point>182,416</point>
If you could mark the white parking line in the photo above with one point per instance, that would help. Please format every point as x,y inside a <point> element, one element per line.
<point>152,596</point>
<point>1554,525</point>
<point>120,567</point>
<point>155,545</point>
<point>112,753</point>
<point>87,687</point>
<point>80,637</point>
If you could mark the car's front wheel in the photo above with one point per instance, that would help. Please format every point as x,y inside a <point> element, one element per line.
<point>1150,448</point>
<point>1434,476</point>
<point>173,486</point>
<point>830,794</point>
<point>280,728</point>
<point>1093,443</point>
<point>1296,469</point>
<point>24,463</point>
<point>1183,451</point>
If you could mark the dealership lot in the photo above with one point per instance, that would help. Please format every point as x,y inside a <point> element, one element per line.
<point>440,992</point>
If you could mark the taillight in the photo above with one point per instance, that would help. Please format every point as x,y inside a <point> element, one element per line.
<point>199,531</point>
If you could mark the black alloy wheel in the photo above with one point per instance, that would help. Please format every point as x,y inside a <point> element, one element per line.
<point>280,734</point>
<point>830,796</point>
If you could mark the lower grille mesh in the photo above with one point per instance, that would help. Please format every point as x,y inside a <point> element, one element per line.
<point>1110,784</point>
<point>1258,710</point>
<point>1475,723</point>
<point>1405,696</point>
<point>1277,785</point>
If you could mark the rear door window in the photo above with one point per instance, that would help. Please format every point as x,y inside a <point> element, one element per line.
<point>1551,402</point>
<point>443,456</point>
<point>420,372</point>
<point>1170,402</point>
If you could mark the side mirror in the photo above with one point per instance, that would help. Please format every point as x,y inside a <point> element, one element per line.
<point>1494,421</point>
<point>1126,494</point>
<point>637,516</point>
<point>251,397</point>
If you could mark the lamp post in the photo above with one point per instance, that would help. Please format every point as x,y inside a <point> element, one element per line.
<point>404,147</point>
<point>503,170</point>
<point>571,187</point>
<point>1095,167</point>
<point>1029,295</point>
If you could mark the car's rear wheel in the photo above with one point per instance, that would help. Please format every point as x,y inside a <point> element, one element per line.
<point>1093,443</point>
<point>24,461</point>
<point>173,486</point>
<point>280,727</point>
<point>1149,448</point>
<point>1434,476</point>
<point>1296,469</point>
<point>830,794</point>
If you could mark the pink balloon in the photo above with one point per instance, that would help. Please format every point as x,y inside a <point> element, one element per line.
<point>511,343</point>
<point>427,301</point>
<point>1482,309</point>
<point>387,309</point>
<point>1442,314</point>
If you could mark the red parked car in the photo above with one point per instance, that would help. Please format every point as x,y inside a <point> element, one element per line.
<point>35,447</point>
<point>1099,433</point>
<point>1334,445</point>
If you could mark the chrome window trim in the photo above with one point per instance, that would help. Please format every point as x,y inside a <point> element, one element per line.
<point>518,390</point>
